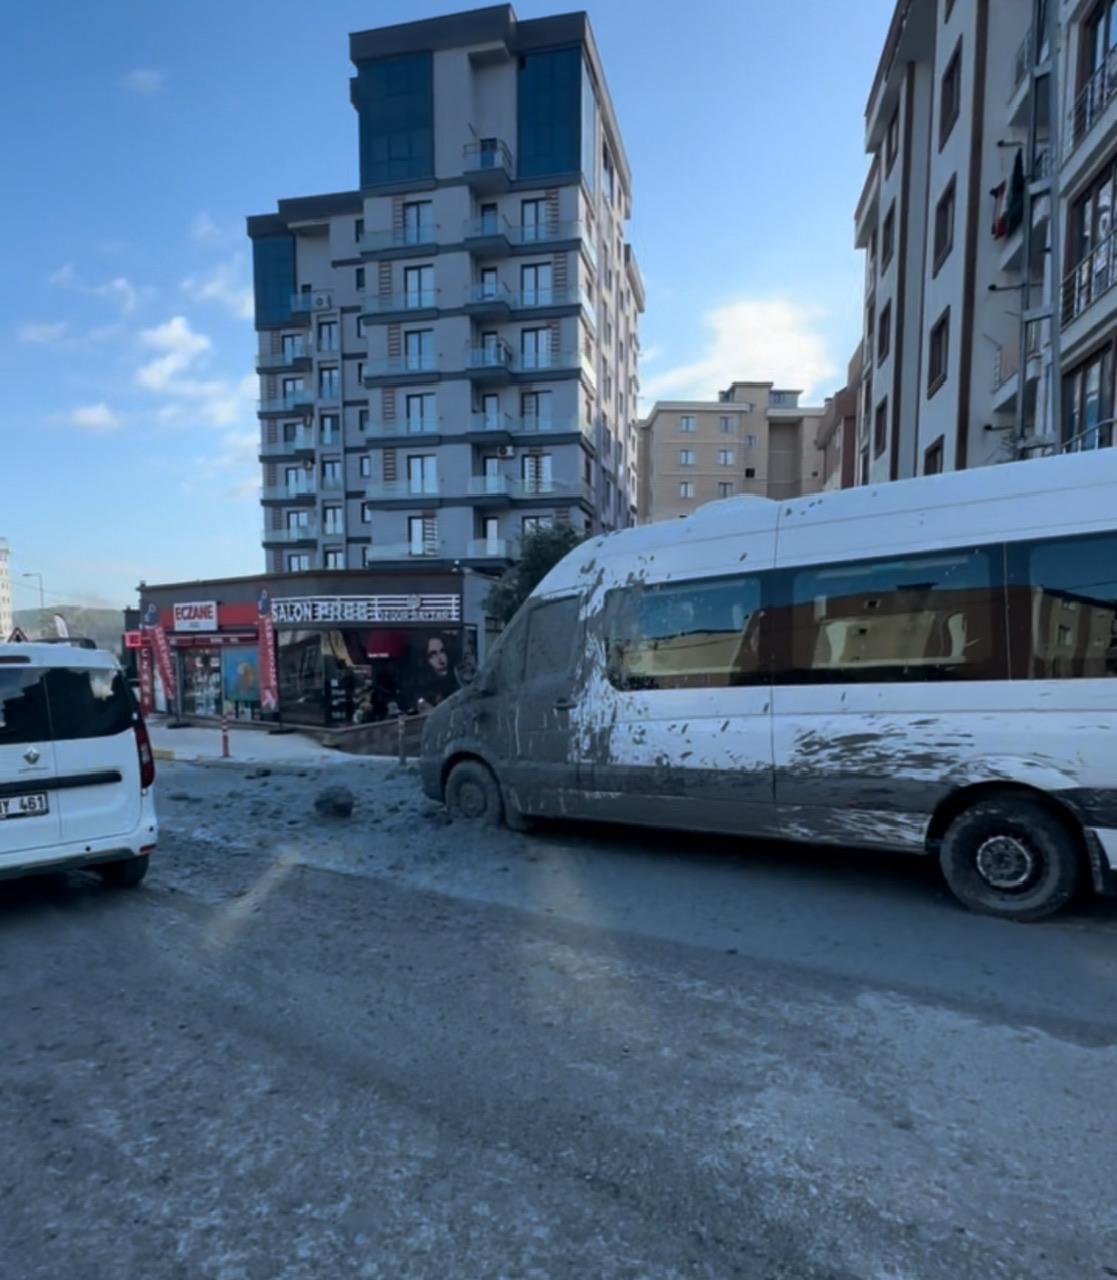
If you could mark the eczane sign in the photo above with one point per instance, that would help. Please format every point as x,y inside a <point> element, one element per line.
<point>196,615</point>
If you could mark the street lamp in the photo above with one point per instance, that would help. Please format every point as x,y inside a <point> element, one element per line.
<point>42,598</point>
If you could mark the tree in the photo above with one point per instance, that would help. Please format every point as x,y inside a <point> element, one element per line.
<point>540,551</point>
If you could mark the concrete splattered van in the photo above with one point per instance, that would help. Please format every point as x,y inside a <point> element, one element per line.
<point>928,666</point>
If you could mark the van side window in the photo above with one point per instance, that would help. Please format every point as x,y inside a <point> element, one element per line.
<point>926,617</point>
<point>1069,602</point>
<point>686,635</point>
<point>552,630</point>
<point>86,703</point>
<point>23,707</point>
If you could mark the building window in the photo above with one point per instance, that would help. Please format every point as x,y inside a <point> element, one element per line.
<point>331,521</point>
<point>725,488</point>
<point>298,562</point>
<point>944,226</point>
<point>327,335</point>
<point>750,473</point>
<point>273,277</point>
<point>421,413</point>
<point>884,332</point>
<point>880,428</point>
<point>394,98</point>
<point>888,236</point>
<point>358,230</point>
<point>418,222</point>
<point>687,423</point>
<point>422,535</point>
<point>328,430</point>
<point>728,425</point>
<point>335,558</point>
<point>750,440</point>
<point>686,488</point>
<point>418,349</point>
<point>726,457</point>
<point>892,141</point>
<point>535,348</point>
<point>329,383</point>
<point>360,373</point>
<point>366,512</point>
<point>532,524</point>
<point>365,466</point>
<point>1088,403</point>
<point>950,95</point>
<point>362,420</point>
<point>418,286</point>
<point>360,326</point>
<point>932,459</point>
<point>422,473</point>
<point>359,279</point>
<point>686,457</point>
<point>549,111</point>
<point>536,473</point>
<point>937,354</point>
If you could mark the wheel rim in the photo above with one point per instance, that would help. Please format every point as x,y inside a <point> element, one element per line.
<point>472,800</point>
<point>1007,863</point>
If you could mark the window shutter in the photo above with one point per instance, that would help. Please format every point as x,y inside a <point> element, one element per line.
<point>389,464</point>
<point>395,341</point>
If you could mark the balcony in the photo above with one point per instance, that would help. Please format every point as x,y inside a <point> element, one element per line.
<point>296,533</point>
<point>487,165</point>
<point>534,426</point>
<point>1090,280</point>
<point>545,487</point>
<point>399,242</point>
<point>537,236</point>
<point>488,236</point>
<point>413,303</point>
<point>301,442</point>
<point>489,363</point>
<point>404,426</point>
<point>328,397</point>
<point>538,301</point>
<point>488,301</point>
<point>288,491</point>
<point>1095,95</point>
<point>494,426</point>
<point>331,484</point>
<point>416,367</point>
<point>1006,382</point>
<point>1020,82</point>
<point>414,492</point>
<point>403,551</point>
<point>312,300</point>
<point>295,359</point>
<point>293,401</point>
<point>489,549</point>
<point>1099,436</point>
<point>496,487</point>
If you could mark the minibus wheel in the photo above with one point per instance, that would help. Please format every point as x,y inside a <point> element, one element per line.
<point>1011,856</point>
<point>472,794</point>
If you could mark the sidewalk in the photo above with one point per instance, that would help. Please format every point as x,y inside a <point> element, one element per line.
<point>255,746</point>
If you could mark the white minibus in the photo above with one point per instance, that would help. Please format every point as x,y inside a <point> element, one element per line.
<point>925,666</point>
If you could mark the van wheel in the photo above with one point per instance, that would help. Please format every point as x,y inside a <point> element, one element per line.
<point>472,794</point>
<point>126,874</point>
<point>1011,858</point>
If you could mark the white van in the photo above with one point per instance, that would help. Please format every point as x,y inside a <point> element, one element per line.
<point>926,666</point>
<point>76,765</point>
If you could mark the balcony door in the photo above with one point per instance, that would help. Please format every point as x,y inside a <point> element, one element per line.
<point>418,222</point>
<point>422,536</point>
<point>420,414</point>
<point>422,473</point>
<point>418,349</point>
<point>535,410</point>
<point>533,218</point>
<point>490,411</point>
<point>494,481</point>
<point>418,286</point>
<point>535,349</point>
<point>535,470</point>
<point>536,284</point>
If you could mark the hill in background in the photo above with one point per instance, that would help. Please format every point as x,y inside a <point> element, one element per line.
<point>104,626</point>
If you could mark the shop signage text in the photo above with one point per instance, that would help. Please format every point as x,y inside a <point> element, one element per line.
<point>196,615</point>
<point>318,610</point>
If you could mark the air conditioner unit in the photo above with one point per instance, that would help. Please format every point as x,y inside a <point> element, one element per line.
<point>506,451</point>
<point>323,301</point>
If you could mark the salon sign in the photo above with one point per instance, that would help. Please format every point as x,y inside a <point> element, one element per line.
<point>317,611</point>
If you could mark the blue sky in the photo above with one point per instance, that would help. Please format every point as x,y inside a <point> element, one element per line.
<point>149,131</point>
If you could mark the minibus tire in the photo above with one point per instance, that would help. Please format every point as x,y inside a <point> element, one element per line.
<point>126,874</point>
<point>1032,861</point>
<point>472,794</point>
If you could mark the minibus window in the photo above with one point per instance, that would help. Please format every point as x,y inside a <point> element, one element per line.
<point>1071,601</point>
<point>920,617</point>
<point>684,635</point>
<point>552,628</point>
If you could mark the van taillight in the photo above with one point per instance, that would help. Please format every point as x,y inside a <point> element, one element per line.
<point>143,749</point>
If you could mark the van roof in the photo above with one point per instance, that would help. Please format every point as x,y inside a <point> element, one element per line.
<point>746,514</point>
<point>55,655</point>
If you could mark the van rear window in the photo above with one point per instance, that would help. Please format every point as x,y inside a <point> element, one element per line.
<point>23,707</point>
<point>88,703</point>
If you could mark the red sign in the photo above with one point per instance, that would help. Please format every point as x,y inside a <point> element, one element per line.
<point>147,680</point>
<point>269,677</point>
<point>163,662</point>
<point>133,639</point>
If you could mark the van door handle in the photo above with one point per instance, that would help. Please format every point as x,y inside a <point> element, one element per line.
<point>565,704</point>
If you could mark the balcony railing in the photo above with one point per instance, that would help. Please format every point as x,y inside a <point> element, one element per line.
<point>403,551</point>
<point>411,300</point>
<point>532,424</point>
<point>1095,95</point>
<point>331,483</point>
<point>478,486</point>
<point>298,533</point>
<point>487,293</point>
<point>282,359</point>
<point>315,300</point>
<point>1100,435</point>
<point>284,489</point>
<point>404,426</point>
<point>286,448</point>
<point>489,549</point>
<point>491,422</point>
<point>496,355</point>
<point>395,489</point>
<point>288,402</point>
<point>487,155</point>
<point>488,226</point>
<point>394,366</point>
<point>1022,61</point>
<point>1089,280</point>
<point>529,299</point>
<point>408,236</point>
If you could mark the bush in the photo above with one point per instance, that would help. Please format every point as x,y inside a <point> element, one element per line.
<point>539,553</point>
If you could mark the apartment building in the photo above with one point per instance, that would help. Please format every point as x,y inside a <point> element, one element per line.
<point>837,431</point>
<point>447,355</point>
<point>754,439</point>
<point>6,623</point>
<point>958,222</point>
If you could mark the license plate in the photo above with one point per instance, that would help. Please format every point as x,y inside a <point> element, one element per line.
<point>25,806</point>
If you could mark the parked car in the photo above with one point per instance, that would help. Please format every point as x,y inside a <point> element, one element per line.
<point>76,765</point>
<point>928,666</point>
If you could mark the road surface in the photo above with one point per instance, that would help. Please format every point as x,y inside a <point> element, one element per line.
<point>389,1047</point>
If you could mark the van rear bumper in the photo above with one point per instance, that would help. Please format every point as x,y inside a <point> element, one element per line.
<point>83,853</point>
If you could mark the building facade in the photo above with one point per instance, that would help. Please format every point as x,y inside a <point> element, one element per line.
<point>754,439</point>
<point>837,431</point>
<point>6,622</point>
<point>447,355</point>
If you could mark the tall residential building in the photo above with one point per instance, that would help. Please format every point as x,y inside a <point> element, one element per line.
<point>837,431</point>
<point>754,439</point>
<point>958,219</point>
<point>6,623</point>
<point>447,355</point>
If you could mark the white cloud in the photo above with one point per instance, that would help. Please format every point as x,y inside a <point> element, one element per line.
<point>764,338</point>
<point>179,346</point>
<point>649,354</point>
<point>204,228</point>
<point>119,289</point>
<point>143,80</point>
<point>41,333</point>
<point>65,277</point>
<point>93,417</point>
<point>227,284</point>
<point>233,468</point>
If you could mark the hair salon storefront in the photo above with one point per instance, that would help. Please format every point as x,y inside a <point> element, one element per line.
<point>324,649</point>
